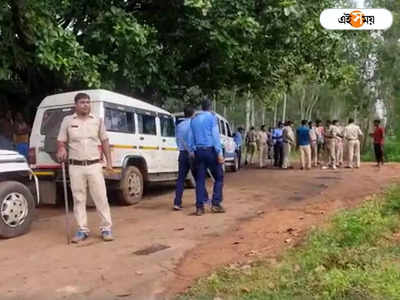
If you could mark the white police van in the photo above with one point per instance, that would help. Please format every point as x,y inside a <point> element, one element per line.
<point>227,141</point>
<point>18,190</point>
<point>141,135</point>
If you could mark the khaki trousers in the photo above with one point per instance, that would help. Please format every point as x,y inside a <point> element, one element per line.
<point>82,178</point>
<point>251,152</point>
<point>339,152</point>
<point>262,154</point>
<point>305,156</point>
<point>314,153</point>
<point>286,155</point>
<point>354,152</point>
<point>332,152</point>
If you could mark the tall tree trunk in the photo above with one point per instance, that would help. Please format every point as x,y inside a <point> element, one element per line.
<point>310,112</point>
<point>263,115</point>
<point>284,107</point>
<point>253,117</point>
<point>248,111</point>
<point>275,113</point>
<point>302,100</point>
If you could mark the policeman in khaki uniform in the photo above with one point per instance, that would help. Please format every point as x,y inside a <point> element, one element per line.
<point>339,146</point>
<point>262,146</point>
<point>83,134</point>
<point>331,136</point>
<point>352,132</point>
<point>251,145</point>
<point>289,141</point>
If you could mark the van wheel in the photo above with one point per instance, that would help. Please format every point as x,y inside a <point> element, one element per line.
<point>17,207</point>
<point>190,181</point>
<point>131,186</point>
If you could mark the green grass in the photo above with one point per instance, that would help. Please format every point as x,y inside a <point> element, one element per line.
<point>355,257</point>
<point>391,148</point>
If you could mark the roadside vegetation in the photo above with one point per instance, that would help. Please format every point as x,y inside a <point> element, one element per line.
<point>357,256</point>
<point>392,150</point>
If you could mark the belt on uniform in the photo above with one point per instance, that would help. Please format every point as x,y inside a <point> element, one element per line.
<point>204,148</point>
<point>75,162</point>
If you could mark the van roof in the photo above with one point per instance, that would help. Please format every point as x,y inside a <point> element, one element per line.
<point>99,95</point>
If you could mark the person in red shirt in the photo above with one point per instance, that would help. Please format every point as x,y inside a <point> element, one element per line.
<point>379,137</point>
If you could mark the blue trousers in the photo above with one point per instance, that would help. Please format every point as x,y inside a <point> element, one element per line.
<point>184,166</point>
<point>207,159</point>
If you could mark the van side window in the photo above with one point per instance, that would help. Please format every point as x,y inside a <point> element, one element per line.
<point>147,124</point>
<point>228,129</point>
<point>119,121</point>
<point>222,127</point>
<point>167,126</point>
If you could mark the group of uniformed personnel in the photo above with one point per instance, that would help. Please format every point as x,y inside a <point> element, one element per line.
<point>318,145</point>
<point>82,140</point>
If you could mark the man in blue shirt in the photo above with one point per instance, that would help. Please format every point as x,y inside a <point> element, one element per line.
<point>303,140</point>
<point>204,141</point>
<point>184,163</point>
<point>237,137</point>
<point>277,138</point>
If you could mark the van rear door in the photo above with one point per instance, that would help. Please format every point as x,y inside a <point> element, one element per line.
<point>149,139</point>
<point>169,150</point>
<point>49,129</point>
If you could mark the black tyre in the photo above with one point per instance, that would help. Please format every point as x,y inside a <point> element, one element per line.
<point>17,207</point>
<point>131,186</point>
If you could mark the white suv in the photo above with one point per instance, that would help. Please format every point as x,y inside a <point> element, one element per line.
<point>142,141</point>
<point>17,202</point>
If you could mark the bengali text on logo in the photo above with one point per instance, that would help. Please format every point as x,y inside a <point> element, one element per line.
<point>356,19</point>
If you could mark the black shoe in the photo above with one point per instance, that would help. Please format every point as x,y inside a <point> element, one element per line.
<point>217,209</point>
<point>199,211</point>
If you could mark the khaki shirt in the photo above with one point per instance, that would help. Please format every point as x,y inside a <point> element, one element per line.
<point>83,137</point>
<point>288,135</point>
<point>352,132</point>
<point>252,135</point>
<point>333,131</point>
<point>262,138</point>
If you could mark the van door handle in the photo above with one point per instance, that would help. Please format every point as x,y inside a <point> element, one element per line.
<point>164,140</point>
<point>141,138</point>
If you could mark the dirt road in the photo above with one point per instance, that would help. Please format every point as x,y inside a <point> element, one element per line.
<point>159,252</point>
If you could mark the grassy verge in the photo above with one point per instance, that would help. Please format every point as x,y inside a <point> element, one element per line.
<point>356,257</point>
<point>392,151</point>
